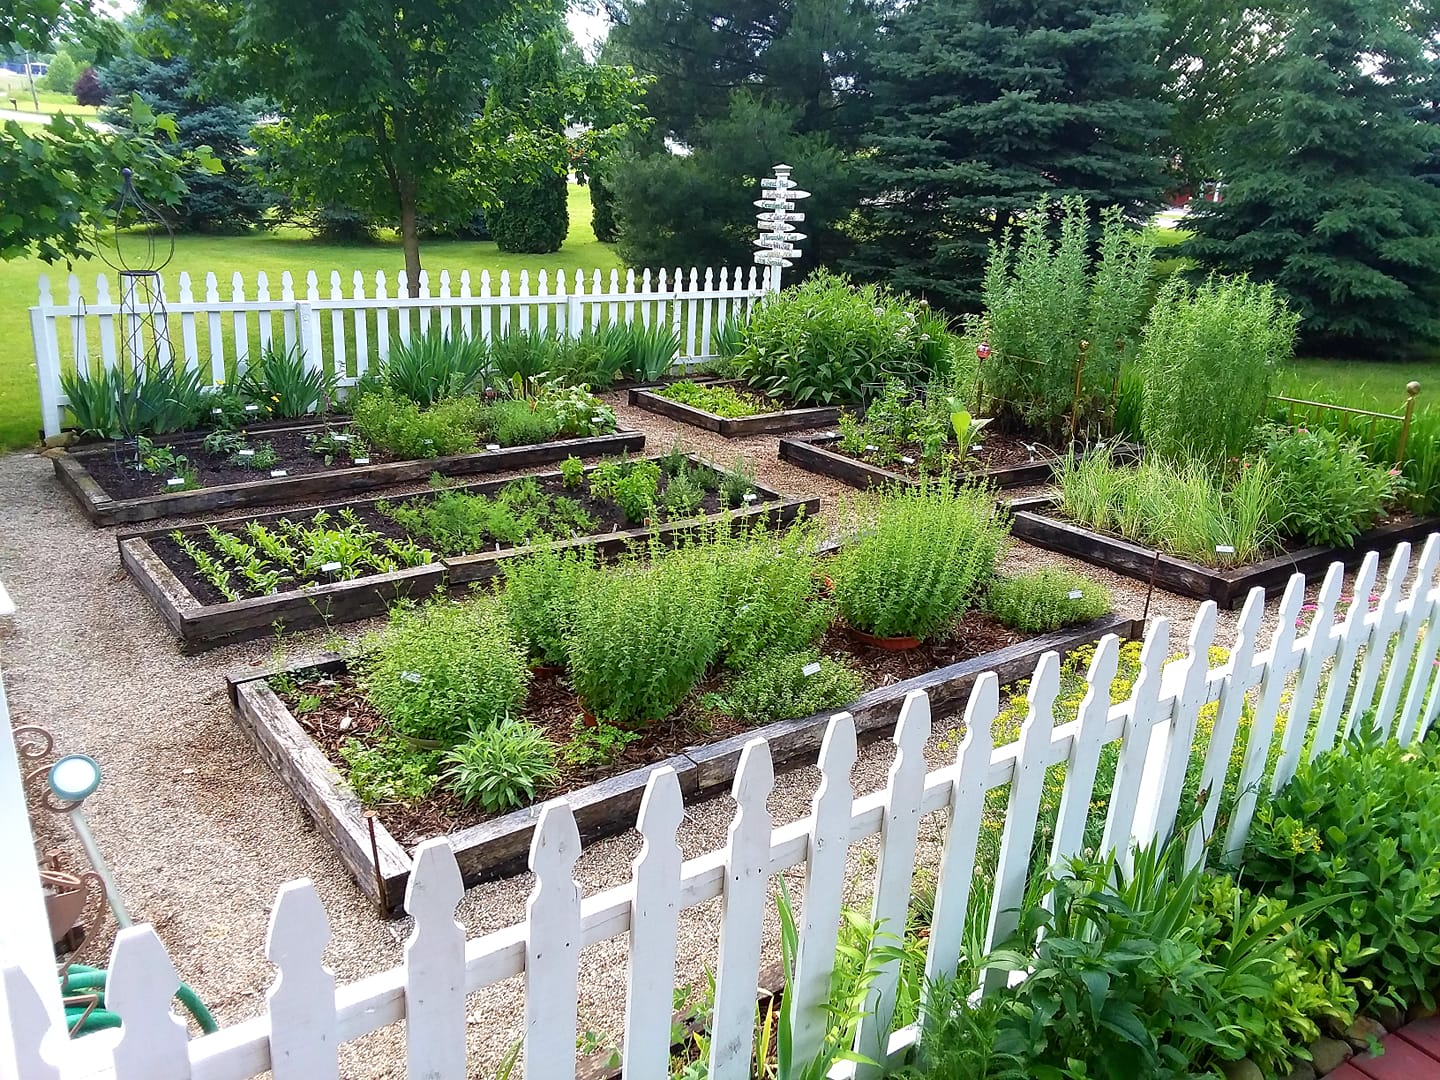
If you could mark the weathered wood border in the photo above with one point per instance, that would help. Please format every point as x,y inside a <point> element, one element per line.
<point>813,453</point>
<point>1227,586</point>
<point>645,397</point>
<point>101,509</point>
<point>202,626</point>
<point>499,847</point>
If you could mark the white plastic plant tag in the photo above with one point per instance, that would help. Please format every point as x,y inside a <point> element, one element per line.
<point>252,408</point>
<point>245,453</point>
<point>410,676</point>
<point>1076,594</point>
<point>812,668</point>
<point>908,460</point>
<point>362,461</point>
<point>329,567</point>
<point>870,449</point>
<point>1224,549</point>
<point>346,438</point>
<point>175,481</point>
<point>217,412</point>
<point>597,419</point>
<point>428,442</point>
<point>492,446</point>
<point>750,496</point>
<point>279,473</point>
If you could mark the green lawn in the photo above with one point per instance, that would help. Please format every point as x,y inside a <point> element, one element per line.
<point>273,252</point>
<point>50,103</point>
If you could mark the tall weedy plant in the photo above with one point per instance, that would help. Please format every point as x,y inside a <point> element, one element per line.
<point>1044,296</point>
<point>1207,355</point>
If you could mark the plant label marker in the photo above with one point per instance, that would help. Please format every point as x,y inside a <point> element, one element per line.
<point>175,481</point>
<point>279,472</point>
<point>812,668</point>
<point>907,460</point>
<point>245,453</point>
<point>361,461</point>
<point>252,408</point>
<point>346,438</point>
<point>329,567</point>
<point>410,676</point>
<point>871,449</point>
<point>1224,549</point>
<point>750,496</point>
<point>597,419</point>
<point>1076,594</point>
<point>217,412</point>
<point>492,446</point>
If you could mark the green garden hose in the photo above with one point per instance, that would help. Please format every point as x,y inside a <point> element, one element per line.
<point>80,978</point>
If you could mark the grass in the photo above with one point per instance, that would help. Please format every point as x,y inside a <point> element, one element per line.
<point>272,252</point>
<point>50,102</point>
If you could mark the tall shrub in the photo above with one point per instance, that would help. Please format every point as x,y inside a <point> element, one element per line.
<point>534,217</point>
<point>1207,355</point>
<point>1044,296</point>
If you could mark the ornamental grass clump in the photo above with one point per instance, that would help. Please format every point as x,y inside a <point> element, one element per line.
<point>923,563</point>
<point>1046,600</point>
<point>435,365</point>
<point>442,669</point>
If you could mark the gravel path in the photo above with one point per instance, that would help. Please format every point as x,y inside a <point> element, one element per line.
<point>200,833</point>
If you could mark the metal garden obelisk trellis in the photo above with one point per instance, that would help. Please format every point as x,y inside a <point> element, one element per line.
<point>777,219</point>
<point>138,256</point>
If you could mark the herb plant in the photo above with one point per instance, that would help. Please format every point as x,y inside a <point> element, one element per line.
<point>396,424</point>
<point>779,686</point>
<point>736,483</point>
<point>1046,600</point>
<point>1207,360</point>
<point>636,491</point>
<point>540,594</point>
<point>1325,489</point>
<point>572,472</point>
<point>332,446</point>
<point>520,422</point>
<point>721,400</point>
<point>505,765</point>
<point>684,492</point>
<point>922,563</point>
<point>596,747</point>
<point>389,770</point>
<point>440,670</point>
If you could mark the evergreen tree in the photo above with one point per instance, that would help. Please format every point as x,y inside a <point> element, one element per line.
<point>1323,186</point>
<point>982,106</point>
<point>224,201</point>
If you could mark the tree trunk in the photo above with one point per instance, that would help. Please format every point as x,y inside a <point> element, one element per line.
<point>409,233</point>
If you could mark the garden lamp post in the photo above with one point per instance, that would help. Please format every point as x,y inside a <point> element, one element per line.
<point>72,780</point>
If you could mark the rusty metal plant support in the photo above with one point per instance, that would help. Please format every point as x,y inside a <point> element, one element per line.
<point>1403,418</point>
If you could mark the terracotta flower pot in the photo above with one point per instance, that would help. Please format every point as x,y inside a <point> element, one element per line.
<point>889,644</point>
<point>546,671</point>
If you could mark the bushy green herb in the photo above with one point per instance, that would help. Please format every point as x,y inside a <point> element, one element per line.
<point>332,446</point>
<point>503,766</point>
<point>684,492</point>
<point>636,491</point>
<point>1357,830</point>
<point>925,560</point>
<point>442,669</point>
<point>900,424</point>
<point>460,521</point>
<point>720,400</point>
<point>1046,600</point>
<point>222,442</point>
<point>1325,489</point>
<point>389,770</point>
<point>575,411</point>
<point>770,592</point>
<point>572,472</point>
<point>736,483</point>
<point>540,595</point>
<point>285,385</point>
<point>435,365</point>
<point>785,686</point>
<point>641,636</point>
<point>262,459</point>
<point>518,422</point>
<point>1186,510</point>
<point>1207,359</point>
<point>828,342</point>
<point>1043,296</point>
<point>596,746</point>
<point>394,423</point>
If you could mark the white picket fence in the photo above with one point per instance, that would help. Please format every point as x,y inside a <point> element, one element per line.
<point>346,328</point>
<point>1306,689</point>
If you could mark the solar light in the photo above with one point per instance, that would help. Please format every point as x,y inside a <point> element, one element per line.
<point>73,779</point>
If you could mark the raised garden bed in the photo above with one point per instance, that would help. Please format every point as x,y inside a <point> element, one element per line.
<point>297,745</point>
<point>103,481</point>
<point>781,418</point>
<point>1035,521</point>
<point>202,617</point>
<point>1005,461</point>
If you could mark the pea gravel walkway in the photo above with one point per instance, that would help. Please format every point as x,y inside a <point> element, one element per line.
<point>199,832</point>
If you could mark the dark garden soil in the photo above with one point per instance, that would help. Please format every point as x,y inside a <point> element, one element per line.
<point>608,516</point>
<point>997,451</point>
<point>342,712</point>
<point>119,476</point>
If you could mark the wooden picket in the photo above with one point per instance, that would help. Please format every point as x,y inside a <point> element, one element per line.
<point>1278,700</point>
<point>348,331</point>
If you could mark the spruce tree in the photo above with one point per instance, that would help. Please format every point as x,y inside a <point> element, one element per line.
<point>981,106</point>
<point>1322,187</point>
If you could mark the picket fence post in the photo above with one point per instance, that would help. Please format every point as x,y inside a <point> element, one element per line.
<point>435,967</point>
<point>552,946</point>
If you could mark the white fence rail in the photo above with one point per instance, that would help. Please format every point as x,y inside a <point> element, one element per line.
<point>350,325</point>
<point>1304,689</point>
